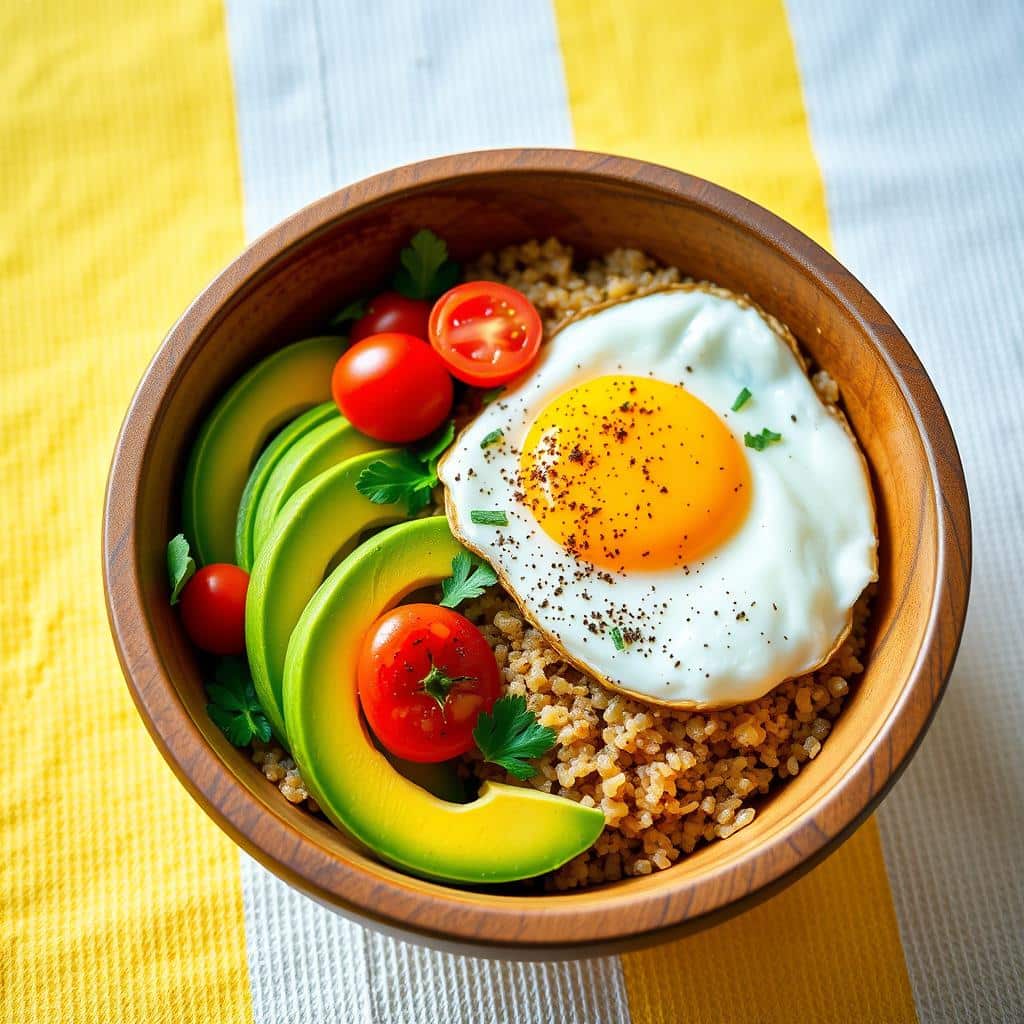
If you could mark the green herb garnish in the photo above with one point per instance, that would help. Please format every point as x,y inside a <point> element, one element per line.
<point>492,438</point>
<point>431,450</point>
<point>510,735</point>
<point>468,579</point>
<point>761,441</point>
<point>406,479</point>
<point>234,707</point>
<point>741,400</point>
<point>411,477</point>
<point>617,639</point>
<point>491,395</point>
<point>181,566</point>
<point>486,517</point>
<point>426,271</point>
<point>355,310</point>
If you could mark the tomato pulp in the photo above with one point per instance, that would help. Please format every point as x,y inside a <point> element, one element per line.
<point>486,333</point>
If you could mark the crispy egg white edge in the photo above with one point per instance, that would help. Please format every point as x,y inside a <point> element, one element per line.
<point>707,325</point>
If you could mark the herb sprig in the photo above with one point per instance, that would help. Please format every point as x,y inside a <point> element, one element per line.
<point>410,476</point>
<point>488,517</point>
<point>761,441</point>
<point>510,736</point>
<point>469,579</point>
<point>741,400</point>
<point>234,707</point>
<point>426,271</point>
<point>181,566</point>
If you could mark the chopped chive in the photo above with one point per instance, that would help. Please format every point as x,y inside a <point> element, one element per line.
<point>492,438</point>
<point>486,517</point>
<point>620,644</point>
<point>761,441</point>
<point>741,400</point>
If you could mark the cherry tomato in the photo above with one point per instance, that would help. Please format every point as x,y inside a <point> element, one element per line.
<point>392,387</point>
<point>213,608</point>
<point>425,674</point>
<point>486,333</point>
<point>391,313</point>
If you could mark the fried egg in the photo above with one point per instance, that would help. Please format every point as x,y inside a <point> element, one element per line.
<point>668,500</point>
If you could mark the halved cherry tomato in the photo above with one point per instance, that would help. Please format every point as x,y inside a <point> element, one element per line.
<point>486,333</point>
<point>391,313</point>
<point>213,608</point>
<point>425,673</point>
<point>392,387</point>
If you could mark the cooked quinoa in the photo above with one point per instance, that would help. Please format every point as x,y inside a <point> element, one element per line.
<point>666,780</point>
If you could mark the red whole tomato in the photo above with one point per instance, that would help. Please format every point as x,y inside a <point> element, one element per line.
<point>213,608</point>
<point>486,333</point>
<point>425,674</point>
<point>392,387</point>
<point>391,313</point>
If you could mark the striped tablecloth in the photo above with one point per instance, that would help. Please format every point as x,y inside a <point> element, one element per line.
<point>141,144</point>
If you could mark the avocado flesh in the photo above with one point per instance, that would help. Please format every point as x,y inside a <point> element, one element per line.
<point>273,392</point>
<point>508,833</point>
<point>322,516</point>
<point>272,455</point>
<point>325,446</point>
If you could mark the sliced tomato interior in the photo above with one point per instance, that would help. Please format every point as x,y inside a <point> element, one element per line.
<point>486,333</point>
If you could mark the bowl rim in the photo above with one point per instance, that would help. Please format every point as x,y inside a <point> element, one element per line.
<point>586,922</point>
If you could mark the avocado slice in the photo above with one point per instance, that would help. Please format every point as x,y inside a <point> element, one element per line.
<point>265,464</point>
<point>507,833</point>
<point>323,447</point>
<point>258,404</point>
<point>322,516</point>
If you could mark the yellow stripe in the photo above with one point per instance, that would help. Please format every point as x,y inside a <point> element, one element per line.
<point>714,89</point>
<point>121,197</point>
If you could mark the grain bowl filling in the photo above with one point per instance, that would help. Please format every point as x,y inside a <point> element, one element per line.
<point>666,779</point>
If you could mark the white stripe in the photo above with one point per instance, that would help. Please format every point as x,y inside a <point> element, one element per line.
<point>305,963</point>
<point>309,965</point>
<point>916,116</point>
<point>326,94</point>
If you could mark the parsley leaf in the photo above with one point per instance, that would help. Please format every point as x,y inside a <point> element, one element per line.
<point>741,400</point>
<point>761,441</point>
<point>468,579</point>
<point>491,395</point>
<point>426,271</point>
<point>181,566</point>
<point>412,478</point>
<point>234,707</point>
<point>436,445</point>
<point>355,310</point>
<point>386,483</point>
<point>510,735</point>
<point>492,438</point>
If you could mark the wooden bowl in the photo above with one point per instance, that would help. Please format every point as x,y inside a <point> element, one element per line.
<point>346,245</point>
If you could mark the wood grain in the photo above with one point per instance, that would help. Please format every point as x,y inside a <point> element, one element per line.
<point>344,246</point>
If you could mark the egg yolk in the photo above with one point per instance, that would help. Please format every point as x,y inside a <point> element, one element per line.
<point>633,473</point>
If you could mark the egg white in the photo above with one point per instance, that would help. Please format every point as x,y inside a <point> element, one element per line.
<point>770,603</point>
